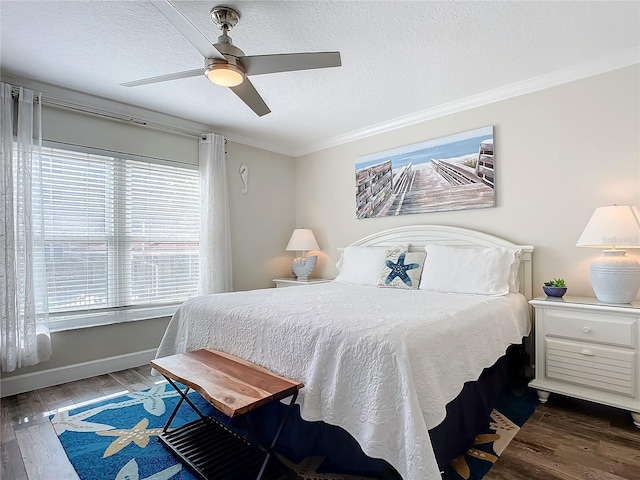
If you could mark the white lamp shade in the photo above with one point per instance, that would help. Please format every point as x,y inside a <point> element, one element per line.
<point>615,278</point>
<point>612,227</point>
<point>302,240</point>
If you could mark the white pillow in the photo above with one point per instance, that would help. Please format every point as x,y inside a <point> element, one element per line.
<point>480,271</point>
<point>361,265</point>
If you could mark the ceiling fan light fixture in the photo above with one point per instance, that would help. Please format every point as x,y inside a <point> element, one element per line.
<point>225,74</point>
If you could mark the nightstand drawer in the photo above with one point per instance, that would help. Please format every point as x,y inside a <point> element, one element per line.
<point>610,329</point>
<point>611,369</point>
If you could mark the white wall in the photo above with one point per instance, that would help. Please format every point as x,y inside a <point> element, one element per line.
<point>263,219</point>
<point>560,153</point>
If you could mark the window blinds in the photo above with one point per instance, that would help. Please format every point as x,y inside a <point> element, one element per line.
<point>118,232</point>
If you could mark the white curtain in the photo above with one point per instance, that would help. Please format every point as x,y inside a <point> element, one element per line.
<point>215,230</point>
<point>23,294</point>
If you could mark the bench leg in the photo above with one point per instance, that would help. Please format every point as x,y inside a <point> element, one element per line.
<point>184,397</point>
<point>277,436</point>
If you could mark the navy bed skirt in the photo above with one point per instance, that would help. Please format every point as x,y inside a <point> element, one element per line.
<point>467,415</point>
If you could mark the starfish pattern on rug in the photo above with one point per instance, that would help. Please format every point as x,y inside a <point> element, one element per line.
<point>505,427</point>
<point>131,472</point>
<point>152,399</point>
<point>63,421</point>
<point>505,430</point>
<point>138,435</point>
<point>399,269</point>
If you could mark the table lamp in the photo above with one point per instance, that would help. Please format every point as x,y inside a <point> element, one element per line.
<point>302,240</point>
<point>615,278</point>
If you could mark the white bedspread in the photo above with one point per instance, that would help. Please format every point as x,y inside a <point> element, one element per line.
<point>380,363</point>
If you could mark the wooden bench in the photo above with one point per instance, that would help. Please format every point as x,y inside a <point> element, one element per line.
<point>233,386</point>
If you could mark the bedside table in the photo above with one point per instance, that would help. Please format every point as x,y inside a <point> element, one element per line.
<point>588,350</point>
<point>292,282</point>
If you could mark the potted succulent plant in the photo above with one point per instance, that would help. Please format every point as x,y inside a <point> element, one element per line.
<point>555,288</point>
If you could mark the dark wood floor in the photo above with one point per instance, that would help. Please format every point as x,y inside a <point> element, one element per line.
<point>569,439</point>
<point>565,439</point>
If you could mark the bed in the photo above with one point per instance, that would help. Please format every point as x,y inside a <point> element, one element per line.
<point>383,364</point>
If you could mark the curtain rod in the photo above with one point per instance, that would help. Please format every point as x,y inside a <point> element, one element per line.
<point>66,105</point>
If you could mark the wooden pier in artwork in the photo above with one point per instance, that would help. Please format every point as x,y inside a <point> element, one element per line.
<point>420,189</point>
<point>432,186</point>
<point>373,188</point>
<point>454,174</point>
<point>484,165</point>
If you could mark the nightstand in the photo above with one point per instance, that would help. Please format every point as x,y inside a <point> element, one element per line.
<point>292,282</point>
<point>588,350</point>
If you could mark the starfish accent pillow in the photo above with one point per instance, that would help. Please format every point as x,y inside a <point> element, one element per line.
<point>402,269</point>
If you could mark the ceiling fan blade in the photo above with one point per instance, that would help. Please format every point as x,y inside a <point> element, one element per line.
<point>186,28</point>
<point>249,95</point>
<point>164,78</point>
<point>288,62</point>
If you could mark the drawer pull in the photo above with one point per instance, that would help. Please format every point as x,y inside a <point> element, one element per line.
<point>586,329</point>
<point>587,352</point>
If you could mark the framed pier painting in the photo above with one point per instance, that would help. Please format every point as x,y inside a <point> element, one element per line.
<point>449,173</point>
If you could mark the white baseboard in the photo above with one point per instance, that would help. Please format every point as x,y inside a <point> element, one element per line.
<point>71,373</point>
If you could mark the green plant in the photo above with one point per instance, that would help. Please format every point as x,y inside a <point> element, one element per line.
<point>556,282</point>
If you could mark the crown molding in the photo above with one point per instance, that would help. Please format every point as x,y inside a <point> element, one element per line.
<point>622,59</point>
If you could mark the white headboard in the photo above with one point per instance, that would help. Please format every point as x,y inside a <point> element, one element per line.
<point>417,236</point>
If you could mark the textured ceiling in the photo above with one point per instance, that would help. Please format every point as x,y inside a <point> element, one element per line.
<point>398,57</point>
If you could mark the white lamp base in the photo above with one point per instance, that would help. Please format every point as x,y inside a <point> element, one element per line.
<point>615,278</point>
<point>303,267</point>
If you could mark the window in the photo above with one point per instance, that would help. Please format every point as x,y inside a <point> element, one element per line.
<point>119,232</point>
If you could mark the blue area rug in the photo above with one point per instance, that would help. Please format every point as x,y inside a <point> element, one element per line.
<point>117,439</point>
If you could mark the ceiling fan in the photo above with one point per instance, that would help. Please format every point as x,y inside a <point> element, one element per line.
<point>227,65</point>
